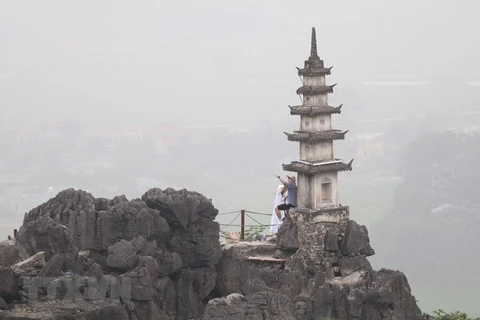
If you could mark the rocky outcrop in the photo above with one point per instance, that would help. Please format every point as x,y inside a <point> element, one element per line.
<point>141,259</point>
<point>262,305</point>
<point>356,240</point>
<point>80,309</point>
<point>191,215</point>
<point>8,284</point>
<point>93,224</point>
<point>122,256</point>
<point>159,257</point>
<point>322,273</point>
<point>340,287</point>
<point>47,235</point>
<point>287,236</point>
<point>10,253</point>
<point>30,267</point>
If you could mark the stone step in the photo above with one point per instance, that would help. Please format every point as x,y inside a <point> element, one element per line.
<point>265,259</point>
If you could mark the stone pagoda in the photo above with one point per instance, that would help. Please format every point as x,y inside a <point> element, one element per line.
<point>317,168</point>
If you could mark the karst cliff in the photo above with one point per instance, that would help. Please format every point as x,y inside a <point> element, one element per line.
<point>159,257</point>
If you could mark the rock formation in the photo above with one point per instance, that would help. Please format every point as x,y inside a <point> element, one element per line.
<point>315,271</point>
<point>159,257</point>
<point>149,258</point>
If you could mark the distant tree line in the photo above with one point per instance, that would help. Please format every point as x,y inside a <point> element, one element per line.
<point>435,216</point>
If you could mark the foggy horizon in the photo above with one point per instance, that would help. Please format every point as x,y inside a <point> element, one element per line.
<point>214,79</point>
<point>215,63</point>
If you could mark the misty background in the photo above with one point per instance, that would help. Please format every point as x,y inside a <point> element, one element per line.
<point>116,97</point>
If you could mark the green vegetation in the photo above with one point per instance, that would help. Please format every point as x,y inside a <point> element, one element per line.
<point>457,315</point>
<point>250,232</point>
<point>253,231</point>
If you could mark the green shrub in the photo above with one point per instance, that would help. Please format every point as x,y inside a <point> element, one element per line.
<point>457,315</point>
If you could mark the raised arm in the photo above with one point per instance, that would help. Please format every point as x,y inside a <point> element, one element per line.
<point>281,180</point>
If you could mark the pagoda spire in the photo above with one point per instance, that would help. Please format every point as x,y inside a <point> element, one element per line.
<point>313,49</point>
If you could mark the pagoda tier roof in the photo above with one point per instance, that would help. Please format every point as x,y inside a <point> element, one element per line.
<point>314,110</point>
<point>312,90</point>
<point>311,71</point>
<point>316,135</point>
<point>306,167</point>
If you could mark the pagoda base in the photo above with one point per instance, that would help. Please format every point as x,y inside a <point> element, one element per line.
<point>312,228</point>
<point>339,214</point>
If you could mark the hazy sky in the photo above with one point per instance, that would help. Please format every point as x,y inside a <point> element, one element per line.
<point>217,61</point>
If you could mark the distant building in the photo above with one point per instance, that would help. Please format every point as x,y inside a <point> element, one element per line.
<point>469,129</point>
<point>166,134</point>
<point>132,132</point>
<point>370,145</point>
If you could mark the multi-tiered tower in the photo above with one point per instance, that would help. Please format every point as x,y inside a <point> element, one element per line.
<point>317,168</point>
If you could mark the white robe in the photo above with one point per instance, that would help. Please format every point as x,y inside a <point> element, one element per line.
<point>275,222</point>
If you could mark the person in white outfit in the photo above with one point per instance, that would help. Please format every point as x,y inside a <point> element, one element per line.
<point>276,221</point>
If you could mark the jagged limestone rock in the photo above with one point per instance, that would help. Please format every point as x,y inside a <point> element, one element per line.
<point>47,235</point>
<point>287,236</point>
<point>122,256</point>
<point>96,224</point>
<point>30,267</point>
<point>231,307</point>
<point>128,252</point>
<point>58,265</point>
<point>266,305</point>
<point>9,253</point>
<point>8,284</point>
<point>143,279</point>
<point>166,296</point>
<point>190,216</point>
<point>170,270</point>
<point>356,240</point>
<point>3,304</point>
<point>72,310</point>
<point>169,262</point>
<point>95,270</point>
<point>318,280</point>
<point>332,241</point>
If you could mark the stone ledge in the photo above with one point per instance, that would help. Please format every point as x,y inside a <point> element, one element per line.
<point>242,250</point>
<point>333,215</point>
<point>320,210</point>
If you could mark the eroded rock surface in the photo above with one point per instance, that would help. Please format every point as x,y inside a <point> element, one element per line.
<point>74,310</point>
<point>140,259</point>
<point>262,305</point>
<point>356,240</point>
<point>122,256</point>
<point>159,257</point>
<point>10,253</point>
<point>327,276</point>
<point>190,215</point>
<point>47,235</point>
<point>8,284</point>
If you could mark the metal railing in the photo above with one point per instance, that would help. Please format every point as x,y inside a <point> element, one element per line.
<point>243,214</point>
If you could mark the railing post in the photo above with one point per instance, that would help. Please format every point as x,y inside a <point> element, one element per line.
<point>242,225</point>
